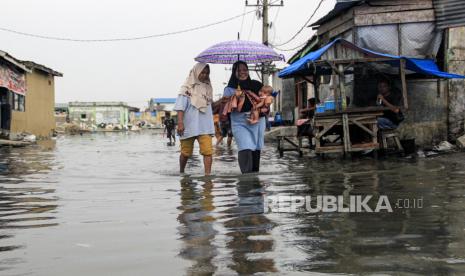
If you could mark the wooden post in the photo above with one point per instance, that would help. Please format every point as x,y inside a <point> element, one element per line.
<point>346,133</point>
<point>299,96</point>
<point>334,88</point>
<point>342,88</point>
<point>404,82</point>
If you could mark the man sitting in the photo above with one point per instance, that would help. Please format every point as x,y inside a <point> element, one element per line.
<point>392,117</point>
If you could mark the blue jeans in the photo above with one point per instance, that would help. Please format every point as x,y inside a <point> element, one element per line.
<point>385,123</point>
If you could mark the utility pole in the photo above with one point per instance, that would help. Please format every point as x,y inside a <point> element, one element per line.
<point>265,27</point>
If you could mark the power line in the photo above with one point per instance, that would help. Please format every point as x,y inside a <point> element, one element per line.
<point>303,27</point>
<point>251,27</point>
<point>277,14</point>
<point>123,38</point>
<point>242,23</point>
<point>274,23</point>
<point>292,49</point>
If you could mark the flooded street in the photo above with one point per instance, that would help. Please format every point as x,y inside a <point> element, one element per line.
<point>115,204</point>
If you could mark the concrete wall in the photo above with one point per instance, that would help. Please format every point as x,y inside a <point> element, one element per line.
<point>288,99</point>
<point>455,61</point>
<point>38,117</point>
<point>277,84</point>
<point>75,114</point>
<point>96,114</point>
<point>146,116</point>
<point>426,119</point>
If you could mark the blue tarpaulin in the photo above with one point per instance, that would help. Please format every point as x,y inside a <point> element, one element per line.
<point>422,66</point>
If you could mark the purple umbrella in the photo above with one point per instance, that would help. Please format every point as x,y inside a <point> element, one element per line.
<point>231,51</point>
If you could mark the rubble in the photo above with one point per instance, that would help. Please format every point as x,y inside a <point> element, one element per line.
<point>23,137</point>
<point>31,138</point>
<point>4,142</point>
<point>444,146</point>
<point>461,142</point>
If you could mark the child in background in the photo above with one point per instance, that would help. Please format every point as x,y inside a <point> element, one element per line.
<point>169,128</point>
<point>262,104</point>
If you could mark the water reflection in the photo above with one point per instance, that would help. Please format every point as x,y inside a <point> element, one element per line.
<point>414,241</point>
<point>25,201</point>
<point>197,225</point>
<point>222,220</point>
<point>94,200</point>
<point>249,229</point>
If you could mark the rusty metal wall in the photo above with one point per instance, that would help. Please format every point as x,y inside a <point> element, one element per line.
<point>449,13</point>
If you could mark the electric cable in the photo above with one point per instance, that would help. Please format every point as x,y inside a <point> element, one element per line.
<point>242,23</point>
<point>292,49</point>
<point>251,28</point>
<point>124,38</point>
<point>303,27</point>
<point>274,23</point>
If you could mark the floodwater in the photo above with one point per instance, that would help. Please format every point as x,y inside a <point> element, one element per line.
<point>114,204</point>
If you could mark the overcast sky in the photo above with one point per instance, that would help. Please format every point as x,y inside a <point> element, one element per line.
<point>134,71</point>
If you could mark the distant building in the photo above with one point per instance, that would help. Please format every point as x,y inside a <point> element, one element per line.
<point>61,113</point>
<point>61,107</point>
<point>27,96</point>
<point>94,114</point>
<point>160,106</point>
<point>147,118</point>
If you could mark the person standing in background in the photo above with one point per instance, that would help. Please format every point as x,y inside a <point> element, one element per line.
<point>169,128</point>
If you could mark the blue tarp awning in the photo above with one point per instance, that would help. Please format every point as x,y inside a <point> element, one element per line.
<point>422,66</point>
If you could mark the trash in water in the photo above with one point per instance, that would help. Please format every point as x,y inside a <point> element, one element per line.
<point>444,146</point>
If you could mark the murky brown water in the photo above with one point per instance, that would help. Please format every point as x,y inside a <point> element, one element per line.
<point>113,204</point>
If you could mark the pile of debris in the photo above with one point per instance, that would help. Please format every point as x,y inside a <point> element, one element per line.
<point>19,140</point>
<point>68,128</point>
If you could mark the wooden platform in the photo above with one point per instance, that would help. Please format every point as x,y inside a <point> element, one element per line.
<point>10,143</point>
<point>293,145</point>
<point>365,119</point>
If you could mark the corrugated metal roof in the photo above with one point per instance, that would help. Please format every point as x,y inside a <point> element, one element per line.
<point>339,8</point>
<point>164,100</point>
<point>61,105</point>
<point>449,13</point>
<point>90,104</point>
<point>13,61</point>
<point>27,65</point>
<point>42,68</point>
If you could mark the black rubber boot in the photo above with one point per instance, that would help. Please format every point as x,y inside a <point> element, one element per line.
<point>245,161</point>
<point>256,161</point>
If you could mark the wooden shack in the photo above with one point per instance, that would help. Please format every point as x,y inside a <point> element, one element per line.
<point>401,28</point>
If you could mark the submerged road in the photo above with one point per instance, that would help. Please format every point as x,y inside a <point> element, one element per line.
<point>114,204</point>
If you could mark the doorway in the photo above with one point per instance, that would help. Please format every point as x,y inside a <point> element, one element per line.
<point>5,112</point>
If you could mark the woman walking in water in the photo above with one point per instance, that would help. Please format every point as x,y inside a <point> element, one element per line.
<point>249,137</point>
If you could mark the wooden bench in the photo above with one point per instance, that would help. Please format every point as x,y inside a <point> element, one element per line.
<point>365,119</point>
<point>385,135</point>
<point>294,146</point>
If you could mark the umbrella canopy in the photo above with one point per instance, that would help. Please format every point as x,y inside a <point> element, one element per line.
<point>231,51</point>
